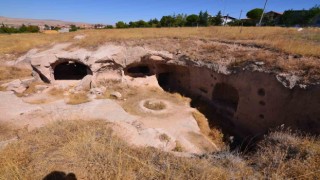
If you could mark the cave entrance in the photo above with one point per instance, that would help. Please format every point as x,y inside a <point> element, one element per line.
<point>138,71</point>
<point>163,80</point>
<point>71,70</point>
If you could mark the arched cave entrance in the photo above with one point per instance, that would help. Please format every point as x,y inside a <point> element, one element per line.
<point>71,70</point>
<point>140,70</point>
<point>163,80</point>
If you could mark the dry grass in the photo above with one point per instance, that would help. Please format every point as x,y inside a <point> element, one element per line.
<point>288,40</point>
<point>78,98</point>
<point>32,88</point>
<point>154,105</point>
<point>287,155</point>
<point>3,88</point>
<point>91,150</point>
<point>7,131</point>
<point>21,43</point>
<point>56,92</point>
<point>213,134</point>
<point>9,73</point>
<point>178,147</point>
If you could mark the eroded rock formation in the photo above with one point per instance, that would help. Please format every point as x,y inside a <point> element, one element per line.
<point>247,100</point>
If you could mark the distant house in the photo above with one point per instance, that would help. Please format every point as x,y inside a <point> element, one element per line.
<point>99,26</point>
<point>227,19</point>
<point>64,30</point>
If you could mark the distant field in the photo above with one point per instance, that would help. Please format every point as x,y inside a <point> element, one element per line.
<point>290,40</point>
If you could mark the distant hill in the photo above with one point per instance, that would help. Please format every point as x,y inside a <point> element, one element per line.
<point>39,22</point>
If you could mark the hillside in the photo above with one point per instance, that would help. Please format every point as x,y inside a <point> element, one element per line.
<point>19,21</point>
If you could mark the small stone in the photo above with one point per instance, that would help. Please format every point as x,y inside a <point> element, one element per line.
<point>156,58</point>
<point>116,94</point>
<point>259,63</point>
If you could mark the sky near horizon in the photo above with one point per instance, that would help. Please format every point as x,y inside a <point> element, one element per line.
<point>109,12</point>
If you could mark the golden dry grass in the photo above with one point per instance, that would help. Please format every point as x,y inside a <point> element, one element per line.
<point>32,88</point>
<point>91,150</point>
<point>287,155</point>
<point>288,40</point>
<point>8,73</point>
<point>56,92</point>
<point>78,98</point>
<point>21,43</point>
<point>213,134</point>
<point>6,131</point>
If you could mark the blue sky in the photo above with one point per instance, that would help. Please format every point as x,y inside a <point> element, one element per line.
<point>109,12</point>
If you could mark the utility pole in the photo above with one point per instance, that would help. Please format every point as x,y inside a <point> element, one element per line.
<point>264,8</point>
<point>240,16</point>
<point>240,21</point>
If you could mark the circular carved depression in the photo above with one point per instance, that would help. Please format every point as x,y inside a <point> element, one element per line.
<point>156,106</point>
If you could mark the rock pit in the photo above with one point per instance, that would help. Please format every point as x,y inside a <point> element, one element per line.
<point>244,102</point>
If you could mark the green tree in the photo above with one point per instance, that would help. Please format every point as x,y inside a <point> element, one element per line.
<point>180,20</point>
<point>217,20</point>
<point>192,20</point>
<point>73,28</point>
<point>109,27</point>
<point>167,21</point>
<point>23,28</point>
<point>121,25</point>
<point>33,29</point>
<point>154,22</point>
<point>142,23</point>
<point>204,18</point>
<point>255,14</point>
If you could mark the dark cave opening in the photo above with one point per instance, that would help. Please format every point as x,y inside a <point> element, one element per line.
<point>71,70</point>
<point>138,71</point>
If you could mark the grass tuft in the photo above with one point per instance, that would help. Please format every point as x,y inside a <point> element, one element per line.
<point>78,98</point>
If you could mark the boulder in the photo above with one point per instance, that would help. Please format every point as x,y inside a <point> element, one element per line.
<point>85,84</point>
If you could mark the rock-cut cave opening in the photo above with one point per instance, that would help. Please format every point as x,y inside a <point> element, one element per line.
<point>71,70</point>
<point>138,71</point>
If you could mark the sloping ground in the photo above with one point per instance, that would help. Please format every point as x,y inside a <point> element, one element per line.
<point>89,150</point>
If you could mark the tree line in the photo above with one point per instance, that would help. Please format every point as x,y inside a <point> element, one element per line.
<point>21,29</point>
<point>179,20</point>
<point>288,18</point>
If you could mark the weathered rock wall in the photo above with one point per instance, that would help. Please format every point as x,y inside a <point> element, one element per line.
<point>248,102</point>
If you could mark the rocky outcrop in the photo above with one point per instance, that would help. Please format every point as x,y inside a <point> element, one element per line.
<point>248,100</point>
